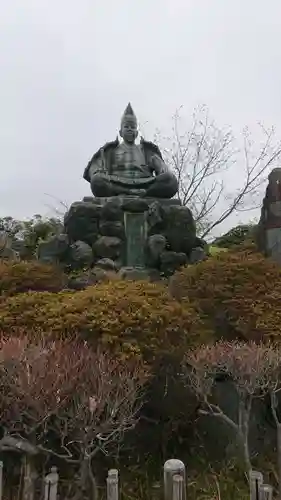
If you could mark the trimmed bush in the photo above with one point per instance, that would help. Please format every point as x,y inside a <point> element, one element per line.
<point>19,277</point>
<point>238,235</point>
<point>138,317</point>
<point>236,294</point>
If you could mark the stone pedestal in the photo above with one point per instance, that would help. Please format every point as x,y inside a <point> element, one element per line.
<point>134,273</point>
<point>135,233</point>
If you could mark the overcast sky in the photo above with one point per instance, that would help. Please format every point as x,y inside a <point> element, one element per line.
<point>68,69</point>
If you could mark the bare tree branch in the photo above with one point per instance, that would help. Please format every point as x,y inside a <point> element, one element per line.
<point>207,162</point>
<point>252,369</point>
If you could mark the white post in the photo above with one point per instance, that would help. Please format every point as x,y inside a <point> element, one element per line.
<point>112,484</point>
<point>51,484</point>
<point>174,467</point>
<point>265,492</point>
<point>178,487</point>
<point>256,480</point>
<point>1,480</point>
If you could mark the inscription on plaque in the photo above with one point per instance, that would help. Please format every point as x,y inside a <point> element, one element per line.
<point>136,236</point>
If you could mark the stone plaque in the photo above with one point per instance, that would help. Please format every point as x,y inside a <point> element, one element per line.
<point>136,236</point>
<point>273,237</point>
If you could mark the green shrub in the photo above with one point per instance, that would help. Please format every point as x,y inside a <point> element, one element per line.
<point>236,293</point>
<point>136,317</point>
<point>236,236</point>
<point>19,277</point>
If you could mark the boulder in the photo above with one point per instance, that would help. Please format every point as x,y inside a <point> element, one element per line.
<point>197,255</point>
<point>111,210</point>
<point>107,265</point>
<point>81,222</point>
<point>108,247</point>
<point>134,274</point>
<point>112,228</point>
<point>81,255</point>
<point>137,205</point>
<point>176,223</point>
<point>53,250</point>
<point>155,215</point>
<point>82,280</point>
<point>171,261</point>
<point>167,227</point>
<point>156,246</point>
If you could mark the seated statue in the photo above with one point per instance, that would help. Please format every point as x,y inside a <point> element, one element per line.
<point>127,168</point>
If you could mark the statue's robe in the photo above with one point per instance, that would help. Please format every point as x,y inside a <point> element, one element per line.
<point>139,173</point>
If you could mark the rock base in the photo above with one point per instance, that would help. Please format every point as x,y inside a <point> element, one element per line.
<point>107,232</point>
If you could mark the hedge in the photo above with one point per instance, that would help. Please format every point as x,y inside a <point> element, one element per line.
<point>237,294</point>
<point>137,317</point>
<point>19,277</point>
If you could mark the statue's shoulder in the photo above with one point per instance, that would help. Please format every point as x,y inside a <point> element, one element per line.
<point>150,146</point>
<point>104,149</point>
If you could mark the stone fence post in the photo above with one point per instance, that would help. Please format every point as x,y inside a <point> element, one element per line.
<point>174,480</point>
<point>256,480</point>
<point>259,490</point>
<point>51,484</point>
<point>266,492</point>
<point>112,484</point>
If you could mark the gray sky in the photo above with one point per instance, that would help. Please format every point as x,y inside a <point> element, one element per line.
<point>68,69</point>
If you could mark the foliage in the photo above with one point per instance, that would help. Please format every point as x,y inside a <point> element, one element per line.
<point>214,250</point>
<point>252,369</point>
<point>236,293</point>
<point>19,277</point>
<point>27,234</point>
<point>205,159</point>
<point>133,319</point>
<point>87,412</point>
<point>236,236</point>
<point>130,317</point>
<point>205,481</point>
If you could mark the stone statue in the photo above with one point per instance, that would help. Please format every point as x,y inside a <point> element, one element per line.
<point>127,168</point>
<point>269,227</point>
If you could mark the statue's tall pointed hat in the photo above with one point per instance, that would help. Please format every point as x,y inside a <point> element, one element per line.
<point>129,113</point>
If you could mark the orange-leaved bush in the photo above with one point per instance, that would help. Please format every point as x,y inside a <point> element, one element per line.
<point>128,317</point>
<point>238,294</point>
<point>19,277</point>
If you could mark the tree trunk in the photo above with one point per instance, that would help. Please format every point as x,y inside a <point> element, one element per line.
<point>87,483</point>
<point>246,454</point>
<point>243,434</point>
<point>29,478</point>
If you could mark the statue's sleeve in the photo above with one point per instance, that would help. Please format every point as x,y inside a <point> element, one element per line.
<point>159,165</point>
<point>96,167</point>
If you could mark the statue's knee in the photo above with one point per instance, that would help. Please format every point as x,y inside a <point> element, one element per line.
<point>99,185</point>
<point>174,183</point>
<point>170,182</point>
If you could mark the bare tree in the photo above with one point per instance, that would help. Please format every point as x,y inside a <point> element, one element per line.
<point>209,162</point>
<point>252,369</point>
<point>105,407</point>
<point>86,399</point>
<point>35,384</point>
<point>275,403</point>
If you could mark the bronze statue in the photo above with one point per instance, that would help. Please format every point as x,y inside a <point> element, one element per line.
<point>127,168</point>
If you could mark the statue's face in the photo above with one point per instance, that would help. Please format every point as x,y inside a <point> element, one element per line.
<point>129,131</point>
